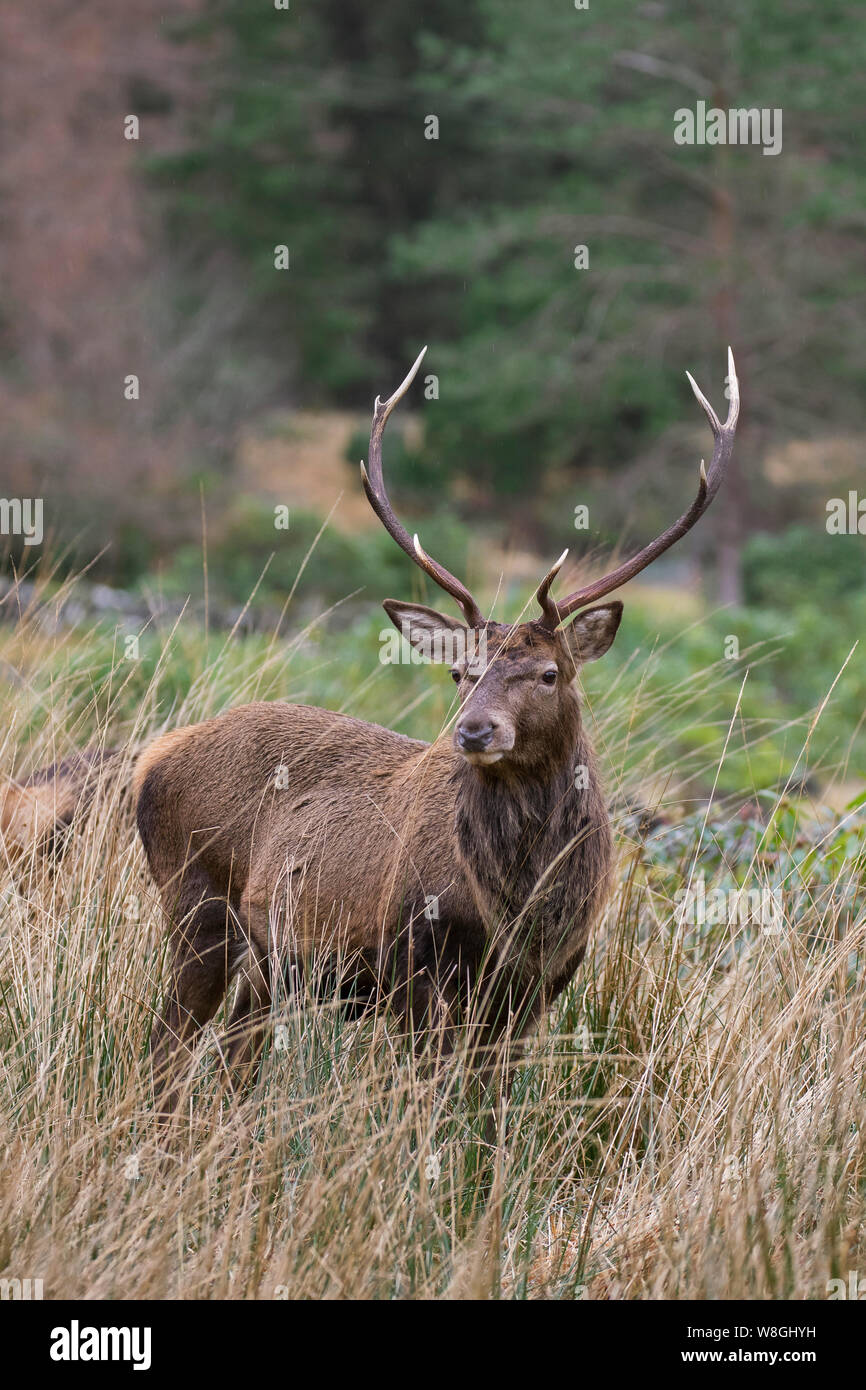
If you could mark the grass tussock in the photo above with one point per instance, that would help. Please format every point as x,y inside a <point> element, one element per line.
<point>687,1124</point>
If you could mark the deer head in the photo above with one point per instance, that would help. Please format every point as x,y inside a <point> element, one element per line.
<point>516,681</point>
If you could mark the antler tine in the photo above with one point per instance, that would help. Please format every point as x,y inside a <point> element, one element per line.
<point>709,483</point>
<point>374,486</point>
<point>549,610</point>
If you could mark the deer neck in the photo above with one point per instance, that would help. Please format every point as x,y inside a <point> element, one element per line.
<point>534,844</point>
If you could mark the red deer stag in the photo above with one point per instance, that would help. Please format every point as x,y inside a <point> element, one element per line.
<point>460,878</point>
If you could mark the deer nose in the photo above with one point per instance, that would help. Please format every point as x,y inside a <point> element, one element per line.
<point>474,735</point>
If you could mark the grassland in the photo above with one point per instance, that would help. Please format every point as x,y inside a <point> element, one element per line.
<point>687,1124</point>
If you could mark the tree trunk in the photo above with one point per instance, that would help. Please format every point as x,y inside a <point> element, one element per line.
<point>733,505</point>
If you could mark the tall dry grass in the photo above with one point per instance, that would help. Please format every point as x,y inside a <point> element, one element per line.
<point>687,1124</point>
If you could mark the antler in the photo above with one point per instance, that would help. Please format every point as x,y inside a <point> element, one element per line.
<point>555,612</point>
<point>374,487</point>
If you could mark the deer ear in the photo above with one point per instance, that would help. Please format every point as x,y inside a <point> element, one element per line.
<point>435,636</point>
<point>592,632</point>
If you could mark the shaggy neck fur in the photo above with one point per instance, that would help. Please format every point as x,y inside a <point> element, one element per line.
<point>512,825</point>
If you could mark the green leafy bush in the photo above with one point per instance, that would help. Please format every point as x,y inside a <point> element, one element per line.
<point>802,564</point>
<point>335,565</point>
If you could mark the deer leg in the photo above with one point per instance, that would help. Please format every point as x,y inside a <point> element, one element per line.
<point>433,970</point>
<point>419,983</point>
<point>204,958</point>
<point>248,1025</point>
<point>509,1020</point>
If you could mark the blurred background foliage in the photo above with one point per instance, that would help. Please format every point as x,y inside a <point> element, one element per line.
<point>555,130</point>
<point>555,386</point>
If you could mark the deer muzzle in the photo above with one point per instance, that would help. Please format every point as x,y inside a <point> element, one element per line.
<point>482,739</point>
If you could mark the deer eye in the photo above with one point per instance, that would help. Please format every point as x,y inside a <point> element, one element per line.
<point>455,676</point>
<point>549,677</point>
